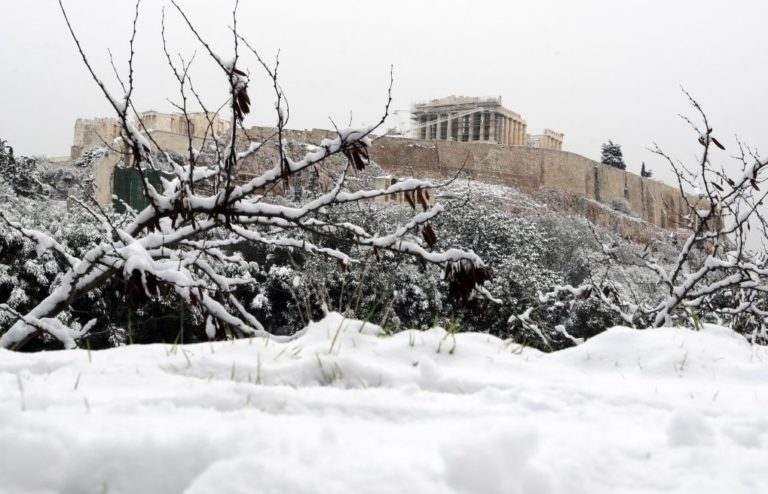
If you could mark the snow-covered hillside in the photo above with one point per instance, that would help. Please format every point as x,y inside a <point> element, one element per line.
<point>342,409</point>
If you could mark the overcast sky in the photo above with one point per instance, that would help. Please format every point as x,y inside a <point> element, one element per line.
<point>592,69</point>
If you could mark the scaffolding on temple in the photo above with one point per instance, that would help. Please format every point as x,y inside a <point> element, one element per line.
<point>473,119</point>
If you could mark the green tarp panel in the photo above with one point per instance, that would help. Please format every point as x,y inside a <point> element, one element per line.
<point>129,188</point>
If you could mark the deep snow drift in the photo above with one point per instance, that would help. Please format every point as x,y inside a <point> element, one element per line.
<point>344,410</point>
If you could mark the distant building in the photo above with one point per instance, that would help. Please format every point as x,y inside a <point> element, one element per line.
<point>169,130</point>
<point>92,133</point>
<point>472,119</point>
<point>174,125</point>
<point>548,140</point>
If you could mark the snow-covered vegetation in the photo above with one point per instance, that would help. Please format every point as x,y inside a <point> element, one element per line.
<point>611,155</point>
<point>19,172</point>
<point>528,254</point>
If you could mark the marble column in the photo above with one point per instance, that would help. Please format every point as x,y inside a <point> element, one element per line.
<point>515,132</point>
<point>502,129</point>
<point>492,128</point>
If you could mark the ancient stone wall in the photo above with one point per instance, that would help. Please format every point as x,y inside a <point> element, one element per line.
<point>93,132</point>
<point>103,175</point>
<point>533,169</point>
<point>96,132</point>
<point>311,136</point>
<point>529,169</point>
<point>197,124</point>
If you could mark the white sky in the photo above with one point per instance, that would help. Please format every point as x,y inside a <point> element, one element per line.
<point>593,69</point>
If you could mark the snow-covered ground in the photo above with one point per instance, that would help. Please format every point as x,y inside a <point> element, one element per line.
<point>344,410</point>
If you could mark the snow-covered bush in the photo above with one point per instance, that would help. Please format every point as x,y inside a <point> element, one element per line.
<point>61,181</point>
<point>573,248</point>
<point>89,156</point>
<point>622,206</point>
<point>527,255</point>
<point>19,172</point>
<point>27,272</point>
<point>384,287</point>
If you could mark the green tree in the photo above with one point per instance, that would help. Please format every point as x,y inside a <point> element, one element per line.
<point>611,155</point>
<point>645,173</point>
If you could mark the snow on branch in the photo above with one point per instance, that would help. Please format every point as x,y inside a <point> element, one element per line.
<point>184,243</point>
<point>714,268</point>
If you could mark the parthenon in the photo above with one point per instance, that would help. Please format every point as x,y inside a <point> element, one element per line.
<point>472,119</point>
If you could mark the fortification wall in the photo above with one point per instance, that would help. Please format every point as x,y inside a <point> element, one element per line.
<point>178,143</point>
<point>312,136</point>
<point>532,169</point>
<point>93,132</point>
<point>103,175</point>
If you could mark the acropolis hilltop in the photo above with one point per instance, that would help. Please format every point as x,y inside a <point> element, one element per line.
<point>473,119</point>
<point>478,136</point>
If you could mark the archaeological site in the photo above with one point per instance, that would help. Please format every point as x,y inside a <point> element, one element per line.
<point>478,137</point>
